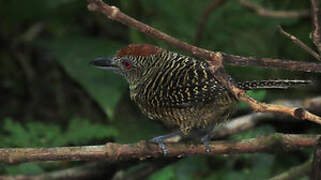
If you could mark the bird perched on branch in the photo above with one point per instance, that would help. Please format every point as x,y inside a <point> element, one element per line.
<point>179,90</point>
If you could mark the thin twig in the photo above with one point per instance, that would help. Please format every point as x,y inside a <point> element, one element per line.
<point>269,63</point>
<point>214,60</point>
<point>207,11</point>
<point>316,169</point>
<point>248,121</point>
<point>273,13</point>
<point>143,150</point>
<point>295,172</point>
<point>298,113</point>
<point>299,43</point>
<point>316,34</point>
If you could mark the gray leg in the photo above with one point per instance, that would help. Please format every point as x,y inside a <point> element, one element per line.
<point>207,138</point>
<point>160,140</point>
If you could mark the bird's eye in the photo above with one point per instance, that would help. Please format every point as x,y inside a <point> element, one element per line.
<point>127,64</point>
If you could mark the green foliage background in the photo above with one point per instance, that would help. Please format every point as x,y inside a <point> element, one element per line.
<point>50,96</point>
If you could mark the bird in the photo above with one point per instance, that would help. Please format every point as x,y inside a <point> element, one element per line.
<point>179,90</point>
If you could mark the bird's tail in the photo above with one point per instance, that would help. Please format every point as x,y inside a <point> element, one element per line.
<point>271,84</point>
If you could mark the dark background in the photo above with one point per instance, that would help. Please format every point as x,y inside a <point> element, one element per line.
<point>51,96</point>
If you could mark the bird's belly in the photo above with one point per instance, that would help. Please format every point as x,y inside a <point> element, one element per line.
<point>199,116</point>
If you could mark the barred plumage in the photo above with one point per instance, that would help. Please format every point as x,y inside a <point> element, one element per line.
<point>271,84</point>
<point>179,90</point>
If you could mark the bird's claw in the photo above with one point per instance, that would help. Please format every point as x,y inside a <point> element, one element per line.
<point>205,140</point>
<point>160,140</point>
<point>160,143</point>
<point>207,147</point>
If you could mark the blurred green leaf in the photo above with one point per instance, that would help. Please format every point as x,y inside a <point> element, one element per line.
<point>37,134</point>
<point>257,166</point>
<point>80,131</point>
<point>166,173</point>
<point>25,168</point>
<point>252,133</point>
<point>75,53</point>
<point>189,168</point>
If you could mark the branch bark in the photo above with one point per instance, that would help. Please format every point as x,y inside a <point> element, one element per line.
<point>271,63</point>
<point>273,13</point>
<point>113,152</point>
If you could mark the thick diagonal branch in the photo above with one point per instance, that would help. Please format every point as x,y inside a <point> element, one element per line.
<point>114,13</point>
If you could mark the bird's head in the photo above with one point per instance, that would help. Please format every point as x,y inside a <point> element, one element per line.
<point>131,61</point>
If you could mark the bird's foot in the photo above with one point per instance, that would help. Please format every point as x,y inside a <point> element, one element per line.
<point>205,140</point>
<point>160,141</point>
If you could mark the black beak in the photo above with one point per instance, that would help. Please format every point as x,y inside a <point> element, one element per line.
<point>104,63</point>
